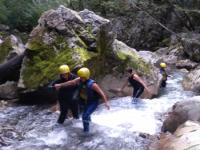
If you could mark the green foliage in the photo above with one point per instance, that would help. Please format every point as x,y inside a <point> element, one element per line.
<point>5,48</point>
<point>23,14</point>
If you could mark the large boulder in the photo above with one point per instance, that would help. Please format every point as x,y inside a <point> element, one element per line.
<point>181,112</point>
<point>10,70</point>
<point>129,57</point>
<point>192,80</point>
<point>11,54</point>
<point>185,137</point>
<point>64,36</point>
<point>191,44</point>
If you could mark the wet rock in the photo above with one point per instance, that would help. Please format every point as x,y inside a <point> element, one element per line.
<point>4,27</point>
<point>151,57</point>
<point>185,137</point>
<point>3,103</point>
<point>187,64</point>
<point>192,80</point>
<point>10,70</point>
<point>170,54</point>
<point>91,18</point>
<point>181,112</point>
<point>191,45</point>
<point>8,90</point>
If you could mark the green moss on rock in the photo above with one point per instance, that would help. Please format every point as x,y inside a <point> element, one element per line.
<point>5,48</point>
<point>132,59</point>
<point>44,60</point>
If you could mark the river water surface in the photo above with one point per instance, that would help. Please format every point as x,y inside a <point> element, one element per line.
<point>33,127</point>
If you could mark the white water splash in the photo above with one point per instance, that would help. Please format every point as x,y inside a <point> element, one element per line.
<point>142,117</point>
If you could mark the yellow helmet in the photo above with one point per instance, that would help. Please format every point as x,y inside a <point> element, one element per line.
<point>84,73</point>
<point>163,65</point>
<point>64,69</point>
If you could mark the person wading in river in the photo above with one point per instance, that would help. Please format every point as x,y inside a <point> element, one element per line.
<point>164,74</point>
<point>89,92</point>
<point>66,94</point>
<point>136,82</point>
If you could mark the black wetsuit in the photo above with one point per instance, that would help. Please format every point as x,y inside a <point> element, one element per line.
<point>138,87</point>
<point>65,98</point>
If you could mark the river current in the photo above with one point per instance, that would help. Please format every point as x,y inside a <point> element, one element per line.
<point>121,128</point>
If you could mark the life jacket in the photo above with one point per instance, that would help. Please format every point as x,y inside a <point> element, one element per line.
<point>164,74</point>
<point>86,92</point>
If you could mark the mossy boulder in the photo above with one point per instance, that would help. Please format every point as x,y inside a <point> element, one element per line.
<point>11,47</point>
<point>62,36</point>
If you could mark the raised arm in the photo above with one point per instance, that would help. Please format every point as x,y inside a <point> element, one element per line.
<point>101,93</point>
<point>68,83</point>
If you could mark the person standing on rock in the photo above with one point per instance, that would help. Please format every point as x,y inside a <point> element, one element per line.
<point>89,93</point>
<point>136,82</point>
<point>66,94</point>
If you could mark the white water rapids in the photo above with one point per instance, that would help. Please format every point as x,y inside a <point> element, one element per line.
<point>33,127</point>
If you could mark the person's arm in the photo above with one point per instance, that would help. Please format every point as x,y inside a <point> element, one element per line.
<point>52,83</point>
<point>68,83</point>
<point>101,93</point>
<point>124,85</point>
<point>135,76</point>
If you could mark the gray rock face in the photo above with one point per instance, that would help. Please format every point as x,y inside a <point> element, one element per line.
<point>91,18</point>
<point>187,64</point>
<point>149,56</point>
<point>140,31</point>
<point>192,47</point>
<point>192,81</point>
<point>181,112</point>
<point>185,137</point>
<point>8,90</point>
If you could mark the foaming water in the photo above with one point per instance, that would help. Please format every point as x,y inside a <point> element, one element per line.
<point>143,116</point>
<point>34,127</point>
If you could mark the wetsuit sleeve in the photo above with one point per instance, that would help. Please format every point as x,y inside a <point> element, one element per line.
<point>52,83</point>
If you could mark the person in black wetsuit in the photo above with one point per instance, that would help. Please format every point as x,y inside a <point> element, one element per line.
<point>136,82</point>
<point>66,94</point>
